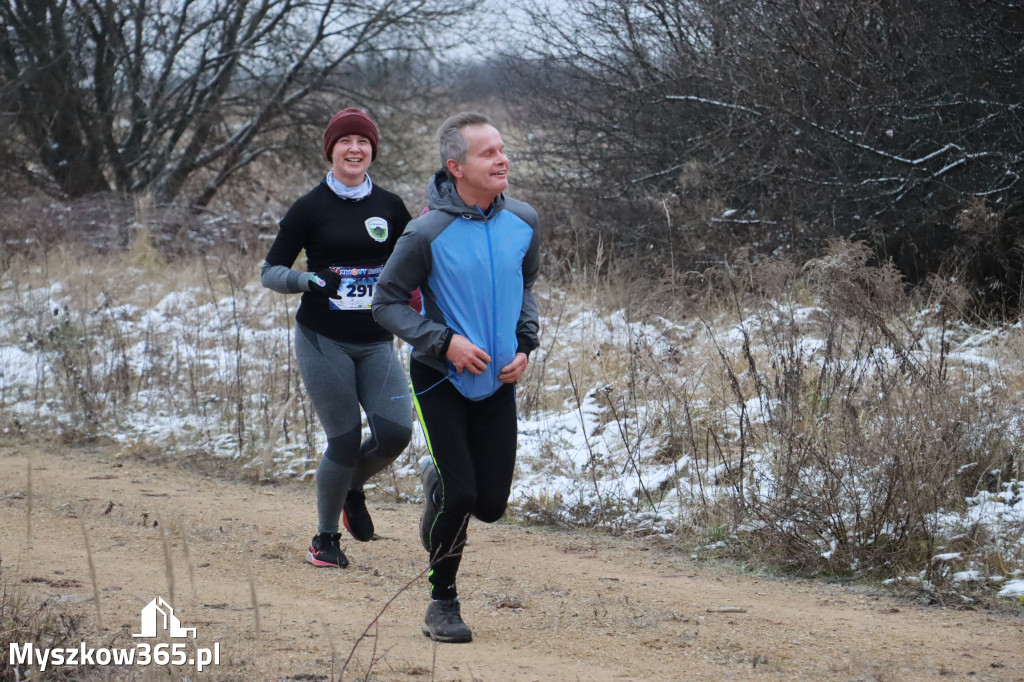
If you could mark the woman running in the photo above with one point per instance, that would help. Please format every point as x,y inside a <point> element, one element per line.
<point>348,227</point>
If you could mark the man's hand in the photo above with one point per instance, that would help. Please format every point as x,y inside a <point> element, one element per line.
<point>511,372</point>
<point>465,355</point>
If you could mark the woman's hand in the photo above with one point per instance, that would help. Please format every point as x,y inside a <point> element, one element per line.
<point>325,282</point>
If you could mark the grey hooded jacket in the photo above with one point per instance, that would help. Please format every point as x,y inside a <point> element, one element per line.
<point>475,272</point>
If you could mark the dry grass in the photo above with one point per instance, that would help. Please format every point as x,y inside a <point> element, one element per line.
<point>24,620</point>
<point>817,417</point>
<point>155,353</point>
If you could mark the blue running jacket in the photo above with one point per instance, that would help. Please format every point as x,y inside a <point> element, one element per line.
<point>475,273</point>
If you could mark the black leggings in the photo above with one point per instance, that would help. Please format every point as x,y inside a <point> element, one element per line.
<point>473,445</point>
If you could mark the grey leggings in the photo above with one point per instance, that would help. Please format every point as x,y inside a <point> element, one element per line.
<point>339,378</point>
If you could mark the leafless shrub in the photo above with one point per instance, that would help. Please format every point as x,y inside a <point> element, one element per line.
<point>820,418</point>
<point>862,434</point>
<point>177,100</point>
<point>679,131</point>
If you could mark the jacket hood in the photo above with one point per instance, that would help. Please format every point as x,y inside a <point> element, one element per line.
<point>441,196</point>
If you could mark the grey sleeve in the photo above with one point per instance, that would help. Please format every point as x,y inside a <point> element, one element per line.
<point>528,327</point>
<point>283,279</point>
<point>407,269</point>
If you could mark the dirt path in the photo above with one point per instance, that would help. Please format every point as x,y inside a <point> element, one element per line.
<point>543,605</point>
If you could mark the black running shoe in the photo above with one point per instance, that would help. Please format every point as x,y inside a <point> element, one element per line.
<point>444,623</point>
<point>431,482</point>
<point>325,550</point>
<point>355,517</point>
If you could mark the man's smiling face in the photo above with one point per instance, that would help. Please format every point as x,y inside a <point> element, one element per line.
<point>484,173</point>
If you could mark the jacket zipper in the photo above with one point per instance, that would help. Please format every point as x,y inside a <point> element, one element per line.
<point>494,293</point>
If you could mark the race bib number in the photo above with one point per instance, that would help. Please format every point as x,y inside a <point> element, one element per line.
<point>356,290</point>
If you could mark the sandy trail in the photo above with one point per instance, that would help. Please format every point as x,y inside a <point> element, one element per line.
<point>543,605</point>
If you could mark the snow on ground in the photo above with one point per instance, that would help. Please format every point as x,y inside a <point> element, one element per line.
<point>208,376</point>
<point>1013,588</point>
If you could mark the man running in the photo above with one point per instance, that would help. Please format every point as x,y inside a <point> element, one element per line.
<point>474,257</point>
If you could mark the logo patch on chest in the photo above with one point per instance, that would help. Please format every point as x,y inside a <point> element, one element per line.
<point>377,228</point>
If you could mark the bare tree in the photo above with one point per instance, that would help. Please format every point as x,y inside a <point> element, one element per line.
<point>776,125</point>
<point>177,96</point>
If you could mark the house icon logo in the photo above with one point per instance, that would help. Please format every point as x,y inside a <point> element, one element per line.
<point>159,611</point>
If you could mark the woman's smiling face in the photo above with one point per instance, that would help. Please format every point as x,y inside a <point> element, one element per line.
<point>350,159</point>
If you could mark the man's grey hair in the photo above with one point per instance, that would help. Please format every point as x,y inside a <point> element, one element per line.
<point>451,142</point>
